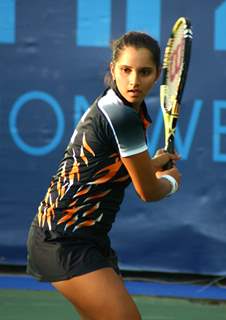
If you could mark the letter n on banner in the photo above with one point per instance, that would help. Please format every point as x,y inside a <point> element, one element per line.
<point>7,21</point>
<point>144,15</point>
<point>93,23</point>
<point>220,27</point>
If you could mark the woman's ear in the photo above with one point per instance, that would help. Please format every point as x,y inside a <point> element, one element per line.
<point>112,70</point>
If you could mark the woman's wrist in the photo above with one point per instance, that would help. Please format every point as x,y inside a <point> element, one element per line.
<point>173,183</point>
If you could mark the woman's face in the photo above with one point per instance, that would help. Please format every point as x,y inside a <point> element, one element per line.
<point>135,74</point>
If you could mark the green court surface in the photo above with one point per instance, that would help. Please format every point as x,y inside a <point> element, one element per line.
<point>47,305</point>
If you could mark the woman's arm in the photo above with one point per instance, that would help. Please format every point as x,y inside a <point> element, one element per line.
<point>146,174</point>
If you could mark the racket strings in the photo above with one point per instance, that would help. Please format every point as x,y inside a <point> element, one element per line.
<point>175,67</point>
<point>174,64</point>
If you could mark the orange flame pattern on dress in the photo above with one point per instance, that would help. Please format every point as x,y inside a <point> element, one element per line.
<point>111,172</point>
<point>75,211</point>
<point>86,145</point>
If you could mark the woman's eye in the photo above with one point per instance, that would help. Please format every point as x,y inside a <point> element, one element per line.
<point>125,70</point>
<point>145,72</point>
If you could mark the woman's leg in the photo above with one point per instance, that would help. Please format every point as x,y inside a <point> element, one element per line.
<point>99,295</point>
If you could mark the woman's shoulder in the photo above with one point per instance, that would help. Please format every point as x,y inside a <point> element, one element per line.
<point>114,109</point>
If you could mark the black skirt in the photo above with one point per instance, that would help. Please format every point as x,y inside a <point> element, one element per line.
<point>64,258</point>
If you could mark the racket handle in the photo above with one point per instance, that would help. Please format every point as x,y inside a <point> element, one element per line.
<point>169,149</point>
<point>168,165</point>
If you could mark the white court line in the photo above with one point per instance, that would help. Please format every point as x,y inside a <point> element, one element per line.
<point>157,318</point>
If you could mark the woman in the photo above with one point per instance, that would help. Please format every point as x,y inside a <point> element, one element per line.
<point>68,243</point>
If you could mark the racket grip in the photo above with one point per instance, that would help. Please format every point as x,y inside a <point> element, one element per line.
<point>169,149</point>
<point>168,165</point>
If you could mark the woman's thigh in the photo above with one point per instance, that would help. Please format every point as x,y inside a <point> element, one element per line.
<point>99,295</point>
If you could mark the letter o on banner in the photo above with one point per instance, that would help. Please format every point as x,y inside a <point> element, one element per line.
<point>27,97</point>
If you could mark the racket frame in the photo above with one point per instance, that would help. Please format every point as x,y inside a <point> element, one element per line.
<point>171,114</point>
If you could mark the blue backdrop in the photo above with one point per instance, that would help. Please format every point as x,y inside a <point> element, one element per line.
<point>53,57</point>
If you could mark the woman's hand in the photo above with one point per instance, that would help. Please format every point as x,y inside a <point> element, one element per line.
<point>145,173</point>
<point>162,157</point>
<point>174,172</point>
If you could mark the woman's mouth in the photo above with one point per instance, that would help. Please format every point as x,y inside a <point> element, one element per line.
<point>134,92</point>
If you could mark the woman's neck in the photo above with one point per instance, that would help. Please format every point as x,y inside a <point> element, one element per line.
<point>136,107</point>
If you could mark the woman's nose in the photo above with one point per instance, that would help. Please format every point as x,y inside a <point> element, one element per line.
<point>134,78</point>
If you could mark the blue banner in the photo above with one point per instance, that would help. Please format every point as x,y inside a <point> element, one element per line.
<point>53,58</point>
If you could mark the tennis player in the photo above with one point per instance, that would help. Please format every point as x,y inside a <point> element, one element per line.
<point>68,242</point>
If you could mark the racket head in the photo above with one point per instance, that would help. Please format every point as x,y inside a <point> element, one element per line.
<point>175,64</point>
<point>174,73</point>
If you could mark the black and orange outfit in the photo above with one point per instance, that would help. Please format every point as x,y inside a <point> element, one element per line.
<point>69,234</point>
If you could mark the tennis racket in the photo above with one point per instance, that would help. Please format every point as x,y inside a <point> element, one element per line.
<point>175,67</point>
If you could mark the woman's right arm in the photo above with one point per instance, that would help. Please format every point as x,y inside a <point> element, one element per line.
<point>146,174</point>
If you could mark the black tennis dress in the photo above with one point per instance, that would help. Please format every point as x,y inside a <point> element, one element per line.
<point>69,234</point>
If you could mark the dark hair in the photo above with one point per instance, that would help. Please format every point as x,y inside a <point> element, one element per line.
<point>137,40</point>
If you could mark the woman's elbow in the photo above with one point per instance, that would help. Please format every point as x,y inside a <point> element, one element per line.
<point>149,196</point>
